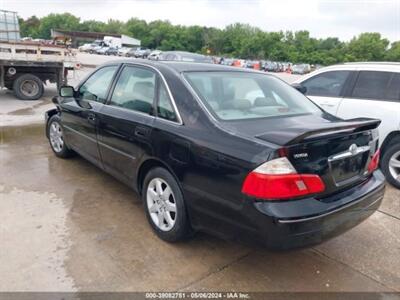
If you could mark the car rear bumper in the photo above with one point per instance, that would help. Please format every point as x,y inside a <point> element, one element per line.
<point>302,223</point>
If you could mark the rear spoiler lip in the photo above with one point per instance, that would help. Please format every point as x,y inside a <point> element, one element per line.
<point>348,126</point>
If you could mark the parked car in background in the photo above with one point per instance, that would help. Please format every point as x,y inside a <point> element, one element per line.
<point>102,50</point>
<point>226,61</point>
<point>86,47</point>
<point>94,49</point>
<point>111,51</point>
<point>363,90</point>
<point>301,69</point>
<point>291,175</point>
<point>249,64</point>
<point>185,56</point>
<point>123,50</point>
<point>130,53</point>
<point>271,66</point>
<point>155,55</point>
<point>141,53</point>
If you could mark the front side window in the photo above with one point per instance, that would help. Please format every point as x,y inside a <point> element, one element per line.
<point>244,95</point>
<point>135,89</point>
<point>372,85</point>
<point>96,86</point>
<point>328,84</point>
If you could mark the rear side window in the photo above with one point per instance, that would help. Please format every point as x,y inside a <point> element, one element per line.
<point>165,109</point>
<point>135,89</point>
<point>328,84</point>
<point>393,90</point>
<point>377,85</point>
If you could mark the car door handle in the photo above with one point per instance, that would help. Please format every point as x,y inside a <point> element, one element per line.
<point>141,131</point>
<point>91,118</point>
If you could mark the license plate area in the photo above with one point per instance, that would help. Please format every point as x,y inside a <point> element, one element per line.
<point>348,169</point>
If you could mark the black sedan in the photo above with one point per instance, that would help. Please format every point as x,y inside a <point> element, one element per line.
<point>232,152</point>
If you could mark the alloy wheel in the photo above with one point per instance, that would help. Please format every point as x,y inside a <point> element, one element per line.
<point>161,204</point>
<point>394,166</point>
<point>56,137</point>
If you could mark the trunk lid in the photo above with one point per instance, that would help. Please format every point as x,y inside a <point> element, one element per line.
<point>338,151</point>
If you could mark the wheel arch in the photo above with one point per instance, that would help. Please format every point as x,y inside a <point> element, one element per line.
<point>146,166</point>
<point>391,138</point>
<point>49,114</point>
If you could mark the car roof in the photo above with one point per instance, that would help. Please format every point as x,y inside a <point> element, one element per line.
<point>368,66</point>
<point>354,66</point>
<point>184,53</point>
<point>181,66</point>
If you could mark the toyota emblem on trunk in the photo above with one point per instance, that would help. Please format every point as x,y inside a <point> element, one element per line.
<point>353,149</point>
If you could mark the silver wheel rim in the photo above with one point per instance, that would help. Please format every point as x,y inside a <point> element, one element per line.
<point>161,204</point>
<point>29,88</point>
<point>56,137</point>
<point>394,166</point>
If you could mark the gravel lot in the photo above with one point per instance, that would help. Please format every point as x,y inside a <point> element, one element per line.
<point>67,226</point>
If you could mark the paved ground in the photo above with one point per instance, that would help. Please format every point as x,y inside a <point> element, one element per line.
<point>67,226</point>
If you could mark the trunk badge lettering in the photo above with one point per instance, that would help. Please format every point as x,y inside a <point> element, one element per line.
<point>300,155</point>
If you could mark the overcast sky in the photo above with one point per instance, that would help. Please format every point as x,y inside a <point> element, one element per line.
<point>323,18</point>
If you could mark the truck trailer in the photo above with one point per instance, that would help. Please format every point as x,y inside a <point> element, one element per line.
<point>26,66</point>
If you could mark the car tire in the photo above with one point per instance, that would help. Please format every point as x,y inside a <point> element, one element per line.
<point>173,225</point>
<point>55,135</point>
<point>391,159</point>
<point>28,87</point>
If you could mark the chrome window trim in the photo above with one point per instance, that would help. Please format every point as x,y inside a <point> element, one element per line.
<point>130,111</point>
<point>178,115</point>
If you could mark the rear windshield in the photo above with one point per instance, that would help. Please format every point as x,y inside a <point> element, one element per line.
<point>245,95</point>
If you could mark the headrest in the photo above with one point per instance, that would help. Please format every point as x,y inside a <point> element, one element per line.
<point>241,104</point>
<point>144,88</point>
<point>261,101</point>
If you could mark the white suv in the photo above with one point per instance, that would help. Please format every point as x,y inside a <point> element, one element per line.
<point>363,90</point>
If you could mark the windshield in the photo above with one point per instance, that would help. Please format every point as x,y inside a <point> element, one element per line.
<point>245,95</point>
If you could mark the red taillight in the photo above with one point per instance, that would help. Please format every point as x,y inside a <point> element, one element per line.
<point>277,179</point>
<point>374,163</point>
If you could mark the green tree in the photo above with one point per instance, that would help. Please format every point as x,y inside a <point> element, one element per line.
<point>29,27</point>
<point>92,26</point>
<point>64,21</point>
<point>393,54</point>
<point>367,47</point>
<point>235,40</point>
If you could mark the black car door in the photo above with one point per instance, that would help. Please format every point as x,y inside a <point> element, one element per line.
<point>125,123</point>
<point>79,116</point>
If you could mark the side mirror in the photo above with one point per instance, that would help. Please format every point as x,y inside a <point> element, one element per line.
<point>301,88</point>
<point>67,91</point>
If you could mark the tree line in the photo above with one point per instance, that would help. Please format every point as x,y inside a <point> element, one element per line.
<point>236,40</point>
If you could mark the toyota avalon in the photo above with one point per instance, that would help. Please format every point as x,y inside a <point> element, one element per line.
<point>233,152</point>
